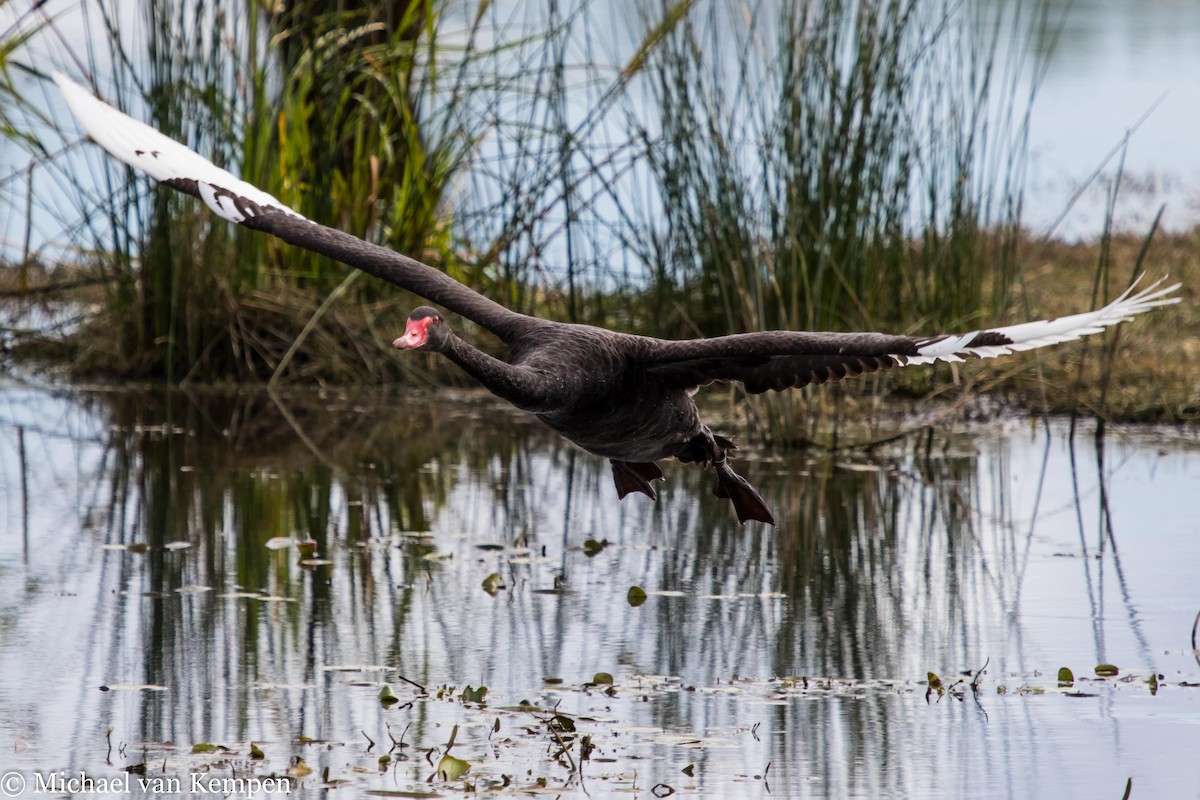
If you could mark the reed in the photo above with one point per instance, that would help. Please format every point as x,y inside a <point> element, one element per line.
<point>836,165</point>
<point>703,169</point>
<point>329,110</point>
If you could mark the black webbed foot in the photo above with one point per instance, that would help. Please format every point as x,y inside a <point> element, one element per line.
<point>746,501</point>
<point>631,476</point>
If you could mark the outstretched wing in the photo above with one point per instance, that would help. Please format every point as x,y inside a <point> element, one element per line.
<point>778,360</point>
<point>173,164</point>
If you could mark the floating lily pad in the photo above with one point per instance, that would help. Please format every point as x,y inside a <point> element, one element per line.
<point>591,547</point>
<point>470,695</point>
<point>1107,670</point>
<point>1065,676</point>
<point>493,583</point>
<point>636,596</point>
<point>451,768</point>
<point>561,723</point>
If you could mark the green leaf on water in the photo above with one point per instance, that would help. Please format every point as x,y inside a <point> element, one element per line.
<point>256,752</point>
<point>689,770</point>
<point>387,697</point>
<point>205,747</point>
<point>384,761</point>
<point>591,547</point>
<point>470,695</point>
<point>1153,681</point>
<point>636,596</point>
<point>935,683</point>
<point>562,724</point>
<point>1106,670</point>
<point>1065,676</point>
<point>451,768</point>
<point>602,678</point>
<point>493,583</point>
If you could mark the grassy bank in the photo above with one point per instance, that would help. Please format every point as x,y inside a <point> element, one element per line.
<point>1145,370</point>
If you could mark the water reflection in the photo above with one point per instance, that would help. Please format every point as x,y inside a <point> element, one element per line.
<point>136,552</point>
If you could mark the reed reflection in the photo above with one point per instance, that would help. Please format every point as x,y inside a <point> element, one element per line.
<point>916,558</point>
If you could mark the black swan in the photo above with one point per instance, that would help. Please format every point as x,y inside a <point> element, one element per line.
<point>622,397</point>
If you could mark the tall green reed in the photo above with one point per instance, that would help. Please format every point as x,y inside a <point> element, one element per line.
<point>703,169</point>
<point>337,123</point>
<point>836,165</point>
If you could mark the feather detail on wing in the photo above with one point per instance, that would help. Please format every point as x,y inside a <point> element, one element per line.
<point>237,201</point>
<point>778,360</point>
<point>164,159</point>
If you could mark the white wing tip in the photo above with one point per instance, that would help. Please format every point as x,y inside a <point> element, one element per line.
<point>1042,333</point>
<point>161,157</point>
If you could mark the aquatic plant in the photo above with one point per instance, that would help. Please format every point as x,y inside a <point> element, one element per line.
<point>831,164</point>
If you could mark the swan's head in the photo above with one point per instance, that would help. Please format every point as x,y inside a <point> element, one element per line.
<point>426,330</point>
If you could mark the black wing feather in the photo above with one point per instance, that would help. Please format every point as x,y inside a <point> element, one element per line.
<point>773,373</point>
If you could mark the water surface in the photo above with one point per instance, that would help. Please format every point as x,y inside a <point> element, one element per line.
<point>136,549</point>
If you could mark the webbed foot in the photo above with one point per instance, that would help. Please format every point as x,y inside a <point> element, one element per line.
<point>631,476</point>
<point>746,501</point>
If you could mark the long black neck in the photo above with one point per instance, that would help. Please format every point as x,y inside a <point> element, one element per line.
<point>524,387</point>
<point>396,268</point>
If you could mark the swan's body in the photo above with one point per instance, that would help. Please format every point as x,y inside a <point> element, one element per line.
<point>622,397</point>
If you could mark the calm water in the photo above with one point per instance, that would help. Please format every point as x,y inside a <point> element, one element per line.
<point>804,648</point>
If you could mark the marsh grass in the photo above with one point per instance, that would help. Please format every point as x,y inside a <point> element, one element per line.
<point>192,299</point>
<point>842,166</point>
<point>696,170</point>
